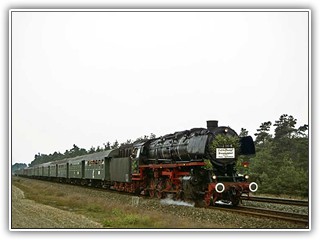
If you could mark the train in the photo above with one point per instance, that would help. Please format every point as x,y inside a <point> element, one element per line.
<point>197,165</point>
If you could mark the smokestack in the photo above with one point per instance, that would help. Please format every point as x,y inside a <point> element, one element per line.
<point>212,124</point>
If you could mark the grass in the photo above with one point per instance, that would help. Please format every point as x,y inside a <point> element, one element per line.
<point>110,214</point>
<point>120,219</point>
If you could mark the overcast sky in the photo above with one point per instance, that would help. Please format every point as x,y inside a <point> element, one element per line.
<point>86,78</point>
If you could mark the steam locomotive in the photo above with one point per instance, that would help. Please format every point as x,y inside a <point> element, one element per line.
<point>196,165</point>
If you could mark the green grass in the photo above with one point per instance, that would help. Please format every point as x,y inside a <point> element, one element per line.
<point>119,219</point>
<point>109,213</point>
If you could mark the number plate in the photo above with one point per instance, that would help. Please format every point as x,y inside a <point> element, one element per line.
<point>225,153</point>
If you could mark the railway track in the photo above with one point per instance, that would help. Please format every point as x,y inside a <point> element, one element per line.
<point>277,200</point>
<point>267,213</point>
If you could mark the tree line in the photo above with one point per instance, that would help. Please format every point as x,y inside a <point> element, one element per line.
<point>281,162</point>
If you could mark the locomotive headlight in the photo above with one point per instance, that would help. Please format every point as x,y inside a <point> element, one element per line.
<point>246,176</point>
<point>214,177</point>
<point>253,187</point>
<point>226,130</point>
<point>220,187</point>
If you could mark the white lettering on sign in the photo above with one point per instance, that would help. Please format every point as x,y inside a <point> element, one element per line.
<point>225,153</point>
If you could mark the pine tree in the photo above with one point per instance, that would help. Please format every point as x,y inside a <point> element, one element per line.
<point>263,133</point>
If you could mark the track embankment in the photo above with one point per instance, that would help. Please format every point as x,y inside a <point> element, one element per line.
<point>29,214</point>
<point>54,205</point>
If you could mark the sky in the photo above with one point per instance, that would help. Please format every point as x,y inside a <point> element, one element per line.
<point>86,78</point>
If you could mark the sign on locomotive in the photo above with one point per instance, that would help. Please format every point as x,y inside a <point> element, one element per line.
<point>174,164</point>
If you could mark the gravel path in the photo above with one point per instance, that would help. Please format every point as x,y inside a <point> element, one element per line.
<point>29,214</point>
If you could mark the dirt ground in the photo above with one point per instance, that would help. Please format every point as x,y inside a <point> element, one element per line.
<point>29,214</point>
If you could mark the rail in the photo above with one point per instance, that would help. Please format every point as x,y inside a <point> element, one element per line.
<point>277,200</point>
<point>267,213</point>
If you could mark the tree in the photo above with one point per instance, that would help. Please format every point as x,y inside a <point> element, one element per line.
<point>98,149</point>
<point>57,156</point>
<point>301,131</point>
<point>92,150</point>
<point>17,166</point>
<point>152,136</point>
<point>243,132</point>
<point>263,168</point>
<point>281,163</point>
<point>74,151</point>
<point>291,180</point>
<point>107,146</point>
<point>67,153</point>
<point>263,133</point>
<point>285,126</point>
<point>115,145</point>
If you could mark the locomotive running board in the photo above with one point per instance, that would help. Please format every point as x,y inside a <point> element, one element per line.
<point>139,176</point>
<point>173,165</point>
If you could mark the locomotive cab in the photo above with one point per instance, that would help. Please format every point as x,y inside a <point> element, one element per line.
<point>137,156</point>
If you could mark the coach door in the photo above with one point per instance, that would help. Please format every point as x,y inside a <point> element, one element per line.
<point>83,167</point>
<point>107,168</point>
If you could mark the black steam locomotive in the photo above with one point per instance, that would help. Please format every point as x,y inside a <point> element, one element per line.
<point>175,163</point>
<point>197,165</point>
